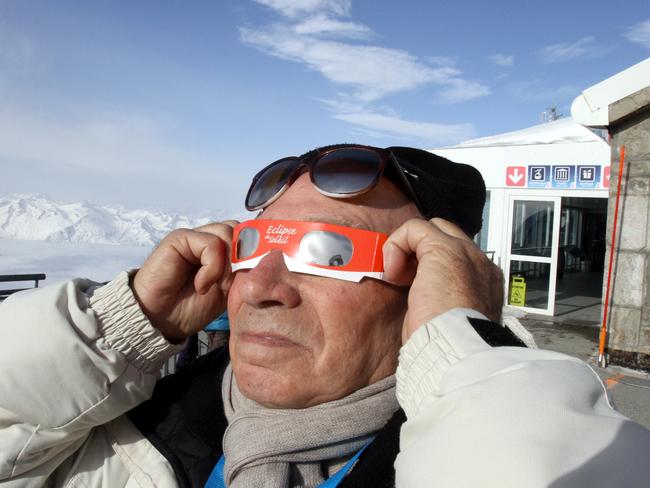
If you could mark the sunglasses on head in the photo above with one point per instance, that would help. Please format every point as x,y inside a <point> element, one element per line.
<point>314,248</point>
<point>337,173</point>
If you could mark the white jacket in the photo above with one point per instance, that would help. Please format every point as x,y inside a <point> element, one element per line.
<point>74,358</point>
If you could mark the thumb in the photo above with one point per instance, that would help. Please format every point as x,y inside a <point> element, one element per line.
<point>399,266</point>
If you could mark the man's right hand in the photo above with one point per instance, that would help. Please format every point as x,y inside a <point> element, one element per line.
<point>183,285</point>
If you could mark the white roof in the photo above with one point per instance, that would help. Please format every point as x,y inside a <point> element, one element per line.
<point>559,131</point>
<point>561,142</point>
<point>592,106</point>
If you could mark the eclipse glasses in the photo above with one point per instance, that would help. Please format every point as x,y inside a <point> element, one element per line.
<point>337,173</point>
<point>314,248</point>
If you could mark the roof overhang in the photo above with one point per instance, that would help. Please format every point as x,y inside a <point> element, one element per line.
<point>591,107</point>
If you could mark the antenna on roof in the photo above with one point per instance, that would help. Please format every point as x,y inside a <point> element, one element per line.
<point>550,114</point>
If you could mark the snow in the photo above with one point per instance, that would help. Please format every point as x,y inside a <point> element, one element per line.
<point>78,240</point>
<point>557,132</point>
<point>36,217</point>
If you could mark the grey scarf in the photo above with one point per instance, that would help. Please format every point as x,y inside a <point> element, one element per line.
<point>278,448</point>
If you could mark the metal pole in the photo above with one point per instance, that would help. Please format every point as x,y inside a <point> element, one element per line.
<point>602,361</point>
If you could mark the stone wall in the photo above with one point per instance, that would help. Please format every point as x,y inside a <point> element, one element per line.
<point>629,322</point>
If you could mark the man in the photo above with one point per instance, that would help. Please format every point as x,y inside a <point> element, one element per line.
<point>308,393</point>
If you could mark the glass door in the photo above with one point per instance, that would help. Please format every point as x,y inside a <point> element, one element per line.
<point>531,260</point>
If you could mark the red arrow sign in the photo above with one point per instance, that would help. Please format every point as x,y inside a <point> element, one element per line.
<point>606,177</point>
<point>516,176</point>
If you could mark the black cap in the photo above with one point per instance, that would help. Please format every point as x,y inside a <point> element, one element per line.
<point>452,191</point>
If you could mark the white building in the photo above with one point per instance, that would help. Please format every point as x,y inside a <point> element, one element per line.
<point>546,211</point>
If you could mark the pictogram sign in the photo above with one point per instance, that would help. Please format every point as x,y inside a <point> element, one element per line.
<point>606,177</point>
<point>563,176</point>
<point>516,176</point>
<point>539,176</point>
<point>588,176</point>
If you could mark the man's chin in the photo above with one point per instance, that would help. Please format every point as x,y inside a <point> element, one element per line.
<point>266,386</point>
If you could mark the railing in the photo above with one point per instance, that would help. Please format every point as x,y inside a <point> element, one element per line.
<point>19,277</point>
<point>170,365</point>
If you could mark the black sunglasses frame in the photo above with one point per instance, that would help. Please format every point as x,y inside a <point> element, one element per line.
<point>388,166</point>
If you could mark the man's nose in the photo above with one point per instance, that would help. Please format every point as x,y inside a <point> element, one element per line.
<point>269,283</point>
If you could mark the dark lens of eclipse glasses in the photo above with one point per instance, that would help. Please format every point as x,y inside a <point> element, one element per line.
<point>325,248</point>
<point>319,247</point>
<point>247,242</point>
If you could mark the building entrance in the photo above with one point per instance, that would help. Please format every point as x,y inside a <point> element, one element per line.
<point>581,258</point>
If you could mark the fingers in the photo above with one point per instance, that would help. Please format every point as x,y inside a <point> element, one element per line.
<point>206,248</point>
<point>406,246</point>
<point>216,228</point>
<point>444,269</point>
<point>214,242</point>
<point>207,276</point>
<point>400,266</point>
<point>401,248</point>
<point>214,266</point>
<point>450,229</point>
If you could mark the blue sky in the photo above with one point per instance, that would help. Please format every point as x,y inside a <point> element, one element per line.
<point>175,105</point>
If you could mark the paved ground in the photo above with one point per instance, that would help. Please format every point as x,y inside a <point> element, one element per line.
<point>629,390</point>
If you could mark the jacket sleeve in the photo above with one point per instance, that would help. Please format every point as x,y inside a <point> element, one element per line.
<point>72,356</point>
<point>508,416</point>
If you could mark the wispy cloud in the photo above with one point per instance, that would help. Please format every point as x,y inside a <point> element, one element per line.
<point>559,53</point>
<point>502,59</point>
<point>371,71</point>
<point>107,142</point>
<point>321,24</point>
<point>295,8</point>
<point>461,91</point>
<point>379,124</point>
<point>321,36</point>
<point>639,33</point>
<point>110,157</point>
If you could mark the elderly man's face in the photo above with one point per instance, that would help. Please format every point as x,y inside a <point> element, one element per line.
<point>299,340</point>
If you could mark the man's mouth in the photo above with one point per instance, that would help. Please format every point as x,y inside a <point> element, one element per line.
<point>268,339</point>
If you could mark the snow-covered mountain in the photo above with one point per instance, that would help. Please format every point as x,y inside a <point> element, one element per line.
<point>36,217</point>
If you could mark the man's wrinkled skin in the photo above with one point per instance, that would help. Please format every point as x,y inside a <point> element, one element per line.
<point>299,340</point>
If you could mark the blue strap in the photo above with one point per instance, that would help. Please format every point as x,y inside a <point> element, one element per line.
<point>220,324</point>
<point>337,477</point>
<point>216,477</point>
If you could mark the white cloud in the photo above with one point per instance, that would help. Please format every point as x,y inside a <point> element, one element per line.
<point>461,91</point>
<point>104,142</point>
<point>371,71</point>
<point>295,8</point>
<point>427,132</point>
<point>639,33</point>
<point>314,35</point>
<point>110,158</point>
<point>559,53</point>
<point>502,59</point>
<point>325,25</point>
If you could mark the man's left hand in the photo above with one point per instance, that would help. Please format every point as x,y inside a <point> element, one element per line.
<point>445,269</point>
